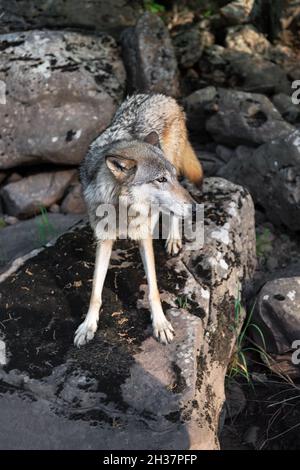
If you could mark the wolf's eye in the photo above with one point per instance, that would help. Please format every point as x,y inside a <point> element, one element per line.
<point>162,180</point>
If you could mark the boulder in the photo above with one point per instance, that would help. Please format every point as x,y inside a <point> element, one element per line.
<point>124,390</point>
<point>209,162</point>
<point>189,43</point>
<point>277,314</point>
<point>27,196</point>
<point>255,74</point>
<point>272,175</point>
<point>289,111</point>
<point>94,15</point>
<point>213,159</point>
<point>62,89</point>
<point>212,66</point>
<point>241,70</point>
<point>244,118</point>
<point>237,11</point>
<point>74,203</point>
<point>247,39</point>
<point>233,117</point>
<point>149,57</point>
<point>198,106</point>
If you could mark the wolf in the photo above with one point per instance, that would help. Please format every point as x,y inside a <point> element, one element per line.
<point>138,159</point>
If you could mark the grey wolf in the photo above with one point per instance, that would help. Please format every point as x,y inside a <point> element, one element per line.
<point>138,158</point>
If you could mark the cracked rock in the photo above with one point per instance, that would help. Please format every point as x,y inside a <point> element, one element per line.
<point>62,89</point>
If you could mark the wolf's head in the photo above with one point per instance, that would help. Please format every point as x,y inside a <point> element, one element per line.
<point>146,177</point>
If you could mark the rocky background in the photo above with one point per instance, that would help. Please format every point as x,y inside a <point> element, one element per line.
<point>65,68</point>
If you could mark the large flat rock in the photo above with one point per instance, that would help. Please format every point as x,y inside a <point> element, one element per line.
<point>124,390</point>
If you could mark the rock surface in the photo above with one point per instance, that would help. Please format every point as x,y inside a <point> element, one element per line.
<point>93,15</point>
<point>189,43</point>
<point>233,117</point>
<point>256,74</point>
<point>272,175</point>
<point>149,57</point>
<point>237,11</point>
<point>26,197</point>
<point>247,39</point>
<point>124,390</point>
<point>289,111</point>
<point>277,314</point>
<point>62,89</point>
<point>20,238</point>
<point>2,176</point>
<point>245,118</point>
<point>74,203</point>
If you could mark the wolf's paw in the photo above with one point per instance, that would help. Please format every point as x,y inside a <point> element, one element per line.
<point>173,246</point>
<point>163,331</point>
<point>85,332</point>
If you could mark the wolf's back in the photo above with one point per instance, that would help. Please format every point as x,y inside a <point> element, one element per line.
<point>141,114</point>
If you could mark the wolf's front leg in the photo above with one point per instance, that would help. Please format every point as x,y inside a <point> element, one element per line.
<point>162,328</point>
<point>173,242</point>
<point>85,332</point>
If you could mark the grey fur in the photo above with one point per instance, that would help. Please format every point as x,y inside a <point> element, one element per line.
<point>121,167</point>
<point>138,116</point>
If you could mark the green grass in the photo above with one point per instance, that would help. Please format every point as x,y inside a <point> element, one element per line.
<point>154,7</point>
<point>2,223</point>
<point>239,364</point>
<point>46,231</point>
<point>263,243</point>
<point>207,13</point>
<point>182,301</point>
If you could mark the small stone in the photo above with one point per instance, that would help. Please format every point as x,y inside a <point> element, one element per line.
<point>10,219</point>
<point>54,209</point>
<point>74,202</point>
<point>13,178</point>
<point>251,436</point>
<point>28,196</point>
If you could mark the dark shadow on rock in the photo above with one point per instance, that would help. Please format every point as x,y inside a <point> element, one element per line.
<point>42,305</point>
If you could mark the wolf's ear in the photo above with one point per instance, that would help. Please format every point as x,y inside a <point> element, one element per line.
<point>120,167</point>
<point>152,139</point>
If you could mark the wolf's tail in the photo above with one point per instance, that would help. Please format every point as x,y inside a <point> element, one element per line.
<point>190,166</point>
